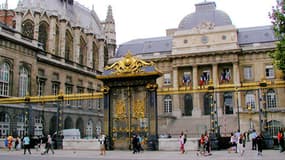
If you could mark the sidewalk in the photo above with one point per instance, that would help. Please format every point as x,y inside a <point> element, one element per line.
<point>148,155</point>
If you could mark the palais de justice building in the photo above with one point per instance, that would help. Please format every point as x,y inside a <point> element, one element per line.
<point>216,77</point>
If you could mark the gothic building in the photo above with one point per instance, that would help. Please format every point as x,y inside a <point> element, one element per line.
<point>48,47</point>
<point>216,77</point>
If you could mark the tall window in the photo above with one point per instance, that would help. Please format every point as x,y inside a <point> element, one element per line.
<point>43,34</point>
<point>186,78</point>
<point>23,82</point>
<point>207,103</point>
<point>167,104</point>
<point>68,46</point>
<point>89,129</point>
<point>68,88</point>
<point>205,77</point>
<point>55,88</point>
<point>4,123</point>
<point>41,82</point>
<point>247,72</point>
<point>269,71</point>
<point>250,100</point>
<point>83,51</point>
<point>28,29</point>
<point>188,105</point>
<point>167,79</point>
<point>20,124</point>
<point>228,103</point>
<point>271,99</point>
<point>98,128</point>
<point>90,90</point>
<point>4,79</point>
<point>38,126</point>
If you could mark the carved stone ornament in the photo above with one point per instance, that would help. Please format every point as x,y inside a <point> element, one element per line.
<point>205,26</point>
<point>129,64</point>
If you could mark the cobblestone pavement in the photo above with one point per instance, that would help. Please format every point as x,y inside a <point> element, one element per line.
<point>147,155</point>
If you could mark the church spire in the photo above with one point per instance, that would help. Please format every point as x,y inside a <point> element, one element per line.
<point>109,17</point>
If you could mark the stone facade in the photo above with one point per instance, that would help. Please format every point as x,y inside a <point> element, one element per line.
<point>213,73</point>
<point>46,50</point>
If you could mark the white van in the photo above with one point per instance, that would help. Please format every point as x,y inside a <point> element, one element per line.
<point>70,133</point>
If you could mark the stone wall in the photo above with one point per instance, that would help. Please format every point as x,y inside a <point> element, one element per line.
<point>172,144</point>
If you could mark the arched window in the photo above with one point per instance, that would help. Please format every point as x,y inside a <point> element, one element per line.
<point>271,99</point>
<point>20,124</point>
<point>68,46</point>
<point>43,34</point>
<point>23,82</point>
<point>4,123</point>
<point>83,51</point>
<point>68,123</point>
<point>228,103</point>
<point>188,105</point>
<point>167,104</point>
<point>80,126</point>
<point>98,128</point>
<point>207,103</point>
<point>274,126</point>
<point>28,29</point>
<point>89,129</point>
<point>38,126</point>
<point>4,79</point>
<point>250,100</point>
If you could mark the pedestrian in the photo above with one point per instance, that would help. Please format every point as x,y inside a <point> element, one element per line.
<point>243,141</point>
<point>207,144</point>
<point>6,142</point>
<point>17,143</point>
<point>135,142</point>
<point>10,142</point>
<point>238,145</point>
<point>280,138</point>
<point>201,150</point>
<point>259,142</point>
<point>232,143</point>
<point>181,142</point>
<point>49,145</point>
<point>26,142</point>
<point>102,141</point>
<point>253,136</point>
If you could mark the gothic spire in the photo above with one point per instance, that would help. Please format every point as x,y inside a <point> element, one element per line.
<point>110,14</point>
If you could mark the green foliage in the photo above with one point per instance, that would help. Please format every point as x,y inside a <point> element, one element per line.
<point>278,20</point>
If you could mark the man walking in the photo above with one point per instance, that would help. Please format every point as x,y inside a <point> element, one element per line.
<point>26,142</point>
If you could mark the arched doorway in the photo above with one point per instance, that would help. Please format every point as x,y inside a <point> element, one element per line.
<point>52,125</point>
<point>80,126</point>
<point>68,123</point>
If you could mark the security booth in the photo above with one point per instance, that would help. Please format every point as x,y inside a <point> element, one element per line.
<point>130,102</point>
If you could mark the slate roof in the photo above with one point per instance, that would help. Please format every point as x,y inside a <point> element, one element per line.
<point>147,45</point>
<point>77,14</point>
<point>260,34</point>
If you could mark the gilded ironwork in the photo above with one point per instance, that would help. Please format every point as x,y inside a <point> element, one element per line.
<point>120,109</point>
<point>152,86</point>
<point>139,109</point>
<point>129,64</point>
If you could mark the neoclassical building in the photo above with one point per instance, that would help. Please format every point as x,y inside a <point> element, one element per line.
<point>216,77</point>
<point>52,47</point>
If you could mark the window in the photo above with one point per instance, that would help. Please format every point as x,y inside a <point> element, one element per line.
<point>205,77</point>
<point>271,99</point>
<point>23,82</point>
<point>68,46</point>
<point>89,129</point>
<point>228,103</point>
<point>167,79</point>
<point>56,41</point>
<point>247,73</point>
<point>274,126</point>
<point>4,123</point>
<point>208,99</point>
<point>186,78</point>
<point>41,86</point>
<point>4,79</point>
<point>167,104</point>
<point>90,90</point>
<point>250,101</point>
<point>225,75</point>
<point>269,71</point>
<point>55,88</point>
<point>28,29</point>
<point>68,90</point>
<point>43,34</point>
<point>82,52</point>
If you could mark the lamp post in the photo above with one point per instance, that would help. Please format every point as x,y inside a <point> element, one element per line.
<point>238,116</point>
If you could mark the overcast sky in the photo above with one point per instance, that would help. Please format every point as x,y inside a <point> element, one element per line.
<point>150,18</point>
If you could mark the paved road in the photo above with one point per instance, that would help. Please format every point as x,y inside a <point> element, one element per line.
<point>147,155</point>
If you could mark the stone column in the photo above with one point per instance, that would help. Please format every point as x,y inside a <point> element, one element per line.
<point>101,56</point>
<point>90,49</point>
<point>62,36</point>
<point>19,21</point>
<point>175,78</point>
<point>195,77</point>
<point>52,35</point>
<point>236,80</point>
<point>36,25</point>
<point>76,44</point>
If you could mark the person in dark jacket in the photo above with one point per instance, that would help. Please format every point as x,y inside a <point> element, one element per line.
<point>259,142</point>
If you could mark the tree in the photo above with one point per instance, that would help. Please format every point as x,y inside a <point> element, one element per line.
<point>278,20</point>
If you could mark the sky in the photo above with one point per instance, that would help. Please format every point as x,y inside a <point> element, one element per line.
<point>137,19</point>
